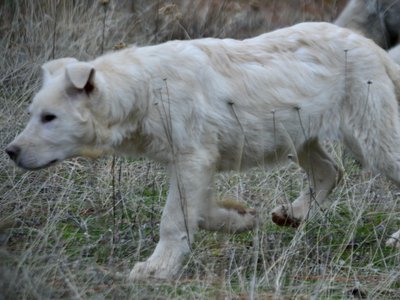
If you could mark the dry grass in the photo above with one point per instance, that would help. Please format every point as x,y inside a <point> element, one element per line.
<point>75,230</point>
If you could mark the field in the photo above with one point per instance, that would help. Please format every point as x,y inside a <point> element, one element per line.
<point>74,231</point>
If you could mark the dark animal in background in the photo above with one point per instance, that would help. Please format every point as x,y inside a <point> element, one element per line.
<point>378,20</point>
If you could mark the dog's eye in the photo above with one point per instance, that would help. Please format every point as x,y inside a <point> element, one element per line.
<point>46,118</point>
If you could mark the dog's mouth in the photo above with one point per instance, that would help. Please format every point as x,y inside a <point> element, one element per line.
<point>35,168</point>
<point>52,162</point>
<point>49,164</point>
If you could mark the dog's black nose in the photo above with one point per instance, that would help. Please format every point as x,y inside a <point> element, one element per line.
<point>13,151</point>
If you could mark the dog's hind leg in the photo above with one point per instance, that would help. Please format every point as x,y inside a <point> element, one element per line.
<point>323,174</point>
<point>387,161</point>
<point>373,130</point>
<point>384,158</point>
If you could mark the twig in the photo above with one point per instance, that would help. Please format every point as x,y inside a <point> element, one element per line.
<point>104,3</point>
<point>53,50</point>
<point>166,122</point>
<point>311,170</point>
<point>245,141</point>
<point>369,82</point>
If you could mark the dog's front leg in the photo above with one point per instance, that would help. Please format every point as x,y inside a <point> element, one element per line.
<point>189,187</point>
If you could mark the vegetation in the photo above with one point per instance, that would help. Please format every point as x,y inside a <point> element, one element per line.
<point>77,229</point>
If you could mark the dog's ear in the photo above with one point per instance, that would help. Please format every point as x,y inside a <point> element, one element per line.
<point>81,75</point>
<point>52,67</point>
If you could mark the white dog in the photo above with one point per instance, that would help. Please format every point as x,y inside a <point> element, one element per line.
<point>210,105</point>
<point>394,53</point>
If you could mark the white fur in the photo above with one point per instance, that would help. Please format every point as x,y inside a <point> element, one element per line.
<point>394,53</point>
<point>210,105</point>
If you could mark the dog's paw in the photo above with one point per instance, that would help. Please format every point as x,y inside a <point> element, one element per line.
<point>164,264</point>
<point>148,270</point>
<point>282,217</point>
<point>232,204</point>
<point>229,216</point>
<point>247,221</point>
<point>145,271</point>
<point>394,240</point>
<point>241,218</point>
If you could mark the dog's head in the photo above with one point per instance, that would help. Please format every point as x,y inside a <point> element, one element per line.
<point>60,125</point>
